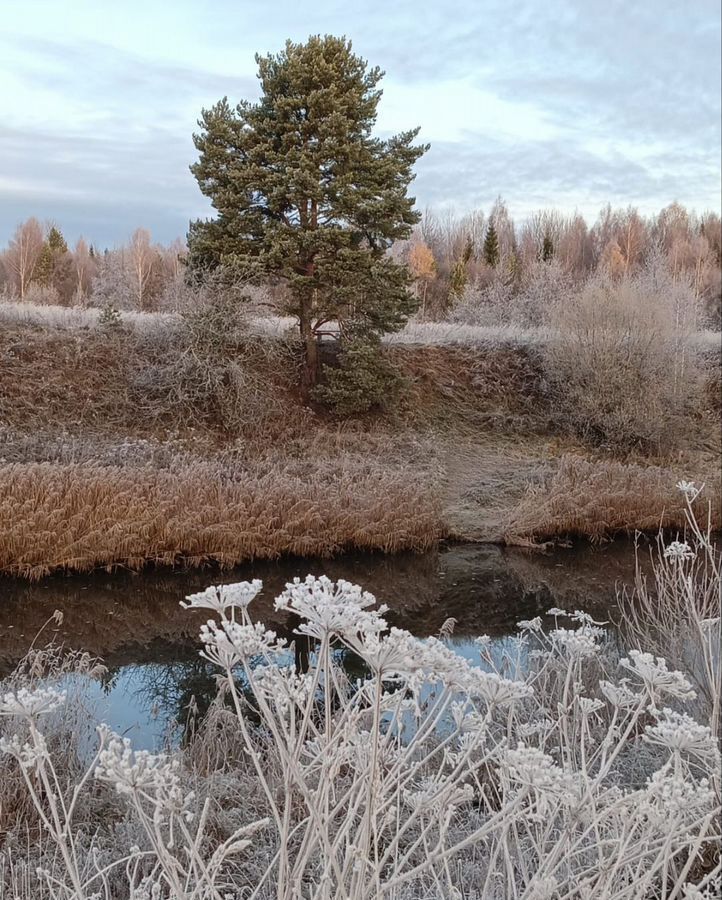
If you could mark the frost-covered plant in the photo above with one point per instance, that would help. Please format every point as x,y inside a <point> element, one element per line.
<point>551,769</point>
<point>623,369</point>
<point>676,612</point>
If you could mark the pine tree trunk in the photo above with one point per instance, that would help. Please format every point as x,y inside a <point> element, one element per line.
<point>309,372</point>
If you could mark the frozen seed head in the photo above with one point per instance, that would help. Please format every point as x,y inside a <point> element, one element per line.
<point>689,489</point>
<point>669,794</point>
<point>31,703</point>
<point>531,767</point>
<point>223,597</point>
<point>679,732</point>
<point>619,694</point>
<point>28,755</point>
<point>655,675</point>
<point>579,644</point>
<point>327,607</point>
<point>679,551</point>
<point>436,797</point>
<point>395,653</point>
<point>228,643</point>
<point>152,777</point>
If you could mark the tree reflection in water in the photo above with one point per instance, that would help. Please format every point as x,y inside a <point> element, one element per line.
<point>133,621</point>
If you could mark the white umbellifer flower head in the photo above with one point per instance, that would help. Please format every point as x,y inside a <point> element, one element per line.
<point>680,733</point>
<point>689,489</point>
<point>679,551</point>
<point>495,690</point>
<point>395,653</point>
<point>580,616</point>
<point>534,624</point>
<point>329,607</point>
<point>436,659</point>
<point>283,687</point>
<point>31,703</point>
<point>483,642</point>
<point>671,795</point>
<point>537,726</point>
<point>437,797</point>
<point>149,776</point>
<point>535,770</point>
<point>619,694</point>
<point>555,611</point>
<point>655,675</point>
<point>579,644</point>
<point>28,755</point>
<point>589,706</point>
<point>224,596</point>
<point>228,643</point>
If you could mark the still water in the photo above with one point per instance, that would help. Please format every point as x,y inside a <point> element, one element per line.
<point>149,644</point>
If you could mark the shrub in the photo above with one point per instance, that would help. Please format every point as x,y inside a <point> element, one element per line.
<point>363,380</point>
<point>622,370</point>
<point>109,317</point>
<point>528,304</point>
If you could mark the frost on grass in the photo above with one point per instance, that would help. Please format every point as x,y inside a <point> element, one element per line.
<point>557,770</point>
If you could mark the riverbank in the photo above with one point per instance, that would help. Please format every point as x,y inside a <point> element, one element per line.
<point>120,448</point>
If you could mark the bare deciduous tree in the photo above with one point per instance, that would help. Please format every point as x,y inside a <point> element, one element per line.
<point>142,257</point>
<point>23,253</point>
<point>84,268</point>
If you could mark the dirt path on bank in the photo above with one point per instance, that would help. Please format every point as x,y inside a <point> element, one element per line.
<point>487,475</point>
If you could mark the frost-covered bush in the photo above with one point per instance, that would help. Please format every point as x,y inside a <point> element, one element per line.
<point>622,370</point>
<point>552,769</point>
<point>543,287</point>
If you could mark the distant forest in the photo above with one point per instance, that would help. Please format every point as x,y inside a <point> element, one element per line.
<point>449,257</point>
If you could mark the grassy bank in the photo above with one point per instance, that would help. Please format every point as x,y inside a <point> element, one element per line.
<point>156,441</point>
<point>78,517</point>
<point>598,499</point>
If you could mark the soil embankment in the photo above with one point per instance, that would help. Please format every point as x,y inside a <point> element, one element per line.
<point>120,448</point>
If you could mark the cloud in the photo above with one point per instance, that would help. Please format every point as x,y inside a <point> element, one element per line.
<point>567,105</point>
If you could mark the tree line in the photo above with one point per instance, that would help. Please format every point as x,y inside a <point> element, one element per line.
<point>446,254</point>
<point>38,266</point>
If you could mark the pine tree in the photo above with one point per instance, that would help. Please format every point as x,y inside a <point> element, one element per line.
<point>513,269</point>
<point>43,274</point>
<point>52,255</point>
<point>457,281</point>
<point>305,192</point>
<point>491,247</point>
<point>56,241</point>
<point>547,250</point>
<point>460,272</point>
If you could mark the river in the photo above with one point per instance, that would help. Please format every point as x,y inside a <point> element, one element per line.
<point>133,622</point>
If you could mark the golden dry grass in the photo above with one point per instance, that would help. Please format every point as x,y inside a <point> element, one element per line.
<point>598,499</point>
<point>77,517</point>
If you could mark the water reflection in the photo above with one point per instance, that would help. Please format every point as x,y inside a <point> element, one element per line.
<point>156,681</point>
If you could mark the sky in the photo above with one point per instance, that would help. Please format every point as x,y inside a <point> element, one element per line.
<point>568,104</point>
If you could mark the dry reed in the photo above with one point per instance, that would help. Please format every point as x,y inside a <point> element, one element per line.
<point>599,499</point>
<point>78,517</point>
